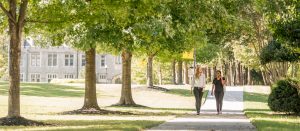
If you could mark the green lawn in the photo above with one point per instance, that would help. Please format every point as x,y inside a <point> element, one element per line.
<point>44,102</point>
<point>45,90</point>
<point>256,108</point>
<point>87,125</point>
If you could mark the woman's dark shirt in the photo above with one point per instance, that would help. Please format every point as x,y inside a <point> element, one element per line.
<point>218,85</point>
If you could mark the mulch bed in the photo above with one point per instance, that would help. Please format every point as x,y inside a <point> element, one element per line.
<point>159,88</point>
<point>20,121</point>
<point>95,111</point>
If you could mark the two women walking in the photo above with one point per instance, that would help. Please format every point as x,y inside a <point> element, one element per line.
<point>198,86</point>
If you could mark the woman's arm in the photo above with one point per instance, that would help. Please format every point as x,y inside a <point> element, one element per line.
<point>223,81</point>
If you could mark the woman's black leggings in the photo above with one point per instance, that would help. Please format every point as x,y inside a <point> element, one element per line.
<point>198,96</point>
<point>219,99</point>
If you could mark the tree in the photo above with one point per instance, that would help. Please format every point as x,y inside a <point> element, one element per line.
<point>76,24</point>
<point>16,14</point>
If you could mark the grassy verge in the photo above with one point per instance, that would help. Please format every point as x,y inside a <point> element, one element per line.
<point>256,108</point>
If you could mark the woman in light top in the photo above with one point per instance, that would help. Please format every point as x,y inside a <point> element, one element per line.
<point>198,85</point>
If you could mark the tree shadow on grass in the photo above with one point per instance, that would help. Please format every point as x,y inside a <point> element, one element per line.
<point>45,90</point>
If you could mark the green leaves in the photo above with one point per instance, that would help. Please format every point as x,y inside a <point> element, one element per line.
<point>276,52</point>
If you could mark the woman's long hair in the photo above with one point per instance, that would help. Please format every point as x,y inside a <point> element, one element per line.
<point>198,73</point>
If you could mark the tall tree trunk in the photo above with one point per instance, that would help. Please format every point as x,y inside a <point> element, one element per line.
<point>234,73</point>
<point>179,73</point>
<point>186,73</point>
<point>231,74</point>
<point>242,80</point>
<point>209,74</point>
<point>160,75</point>
<point>14,71</point>
<point>238,75</point>
<point>174,72</point>
<point>227,69</point>
<point>90,98</point>
<point>215,71</point>
<point>126,96</point>
<point>249,76</point>
<point>150,71</point>
<point>263,73</point>
<point>237,78</point>
<point>16,26</point>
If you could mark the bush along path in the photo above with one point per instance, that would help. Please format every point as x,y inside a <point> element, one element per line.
<point>232,117</point>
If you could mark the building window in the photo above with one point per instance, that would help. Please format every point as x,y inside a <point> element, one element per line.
<point>69,76</point>
<point>118,60</point>
<point>22,77</point>
<point>52,59</point>
<point>102,60</point>
<point>83,60</point>
<point>51,77</point>
<point>69,60</point>
<point>102,77</point>
<point>35,77</point>
<point>35,59</point>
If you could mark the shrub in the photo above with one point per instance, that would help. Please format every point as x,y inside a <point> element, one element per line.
<point>285,97</point>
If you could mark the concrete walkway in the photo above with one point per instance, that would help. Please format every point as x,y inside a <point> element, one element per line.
<point>232,118</point>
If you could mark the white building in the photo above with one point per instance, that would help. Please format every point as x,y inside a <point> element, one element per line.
<point>44,64</point>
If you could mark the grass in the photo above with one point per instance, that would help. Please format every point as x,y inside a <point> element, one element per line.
<point>45,90</point>
<point>44,102</point>
<point>256,108</point>
<point>87,125</point>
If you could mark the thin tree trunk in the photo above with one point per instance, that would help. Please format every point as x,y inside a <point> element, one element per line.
<point>238,73</point>
<point>160,75</point>
<point>174,72</point>
<point>241,74</point>
<point>249,76</point>
<point>179,73</point>
<point>90,98</point>
<point>150,71</point>
<point>234,73</point>
<point>209,74</point>
<point>231,74</point>
<point>215,71</point>
<point>186,73</point>
<point>126,96</point>
<point>264,77</point>
<point>16,26</point>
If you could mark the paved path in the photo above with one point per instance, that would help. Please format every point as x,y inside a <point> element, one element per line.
<point>232,118</point>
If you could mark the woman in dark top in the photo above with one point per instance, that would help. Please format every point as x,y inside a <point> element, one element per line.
<point>218,90</point>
